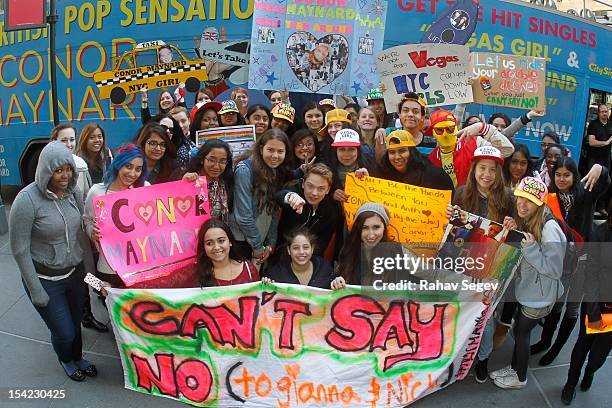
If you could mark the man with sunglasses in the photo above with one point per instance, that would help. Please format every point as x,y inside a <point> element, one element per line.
<point>454,154</point>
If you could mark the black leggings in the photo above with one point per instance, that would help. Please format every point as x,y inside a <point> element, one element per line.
<point>522,331</point>
<point>596,346</point>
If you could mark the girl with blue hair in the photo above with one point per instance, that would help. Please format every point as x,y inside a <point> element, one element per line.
<point>127,170</point>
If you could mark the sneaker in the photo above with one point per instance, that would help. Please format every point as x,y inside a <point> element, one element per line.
<point>501,372</point>
<point>510,382</point>
<point>481,371</point>
<point>587,381</point>
<point>567,394</point>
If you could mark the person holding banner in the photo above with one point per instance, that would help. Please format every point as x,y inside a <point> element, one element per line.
<point>299,265</point>
<point>204,116</point>
<point>595,332</point>
<point>53,255</point>
<point>405,164</point>
<point>258,116</point>
<point>127,170</point>
<point>454,154</point>
<point>538,283</point>
<point>257,177</point>
<point>368,239</point>
<point>159,151</point>
<point>575,197</point>
<point>485,195</point>
<point>219,262</point>
<point>214,161</point>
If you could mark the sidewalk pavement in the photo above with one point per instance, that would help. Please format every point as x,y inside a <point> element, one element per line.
<point>28,362</point>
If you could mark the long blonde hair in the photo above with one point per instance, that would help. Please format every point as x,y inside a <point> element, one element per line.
<point>534,224</point>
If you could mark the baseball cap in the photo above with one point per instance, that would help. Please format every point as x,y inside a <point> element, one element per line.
<point>335,115</point>
<point>283,111</point>
<point>214,105</point>
<point>399,138</point>
<point>228,106</point>
<point>442,118</point>
<point>328,102</point>
<point>488,152</point>
<point>532,189</point>
<point>347,138</point>
<point>374,94</point>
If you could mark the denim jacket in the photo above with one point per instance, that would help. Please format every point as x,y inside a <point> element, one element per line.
<point>245,214</point>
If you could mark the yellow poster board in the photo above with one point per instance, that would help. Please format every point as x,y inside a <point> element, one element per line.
<point>417,213</point>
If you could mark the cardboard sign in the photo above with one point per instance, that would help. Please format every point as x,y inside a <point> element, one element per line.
<point>316,47</point>
<point>417,213</point>
<point>508,80</point>
<point>240,138</point>
<point>148,232</point>
<point>439,73</point>
<point>257,345</point>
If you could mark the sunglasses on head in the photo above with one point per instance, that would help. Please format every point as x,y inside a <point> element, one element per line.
<point>440,131</point>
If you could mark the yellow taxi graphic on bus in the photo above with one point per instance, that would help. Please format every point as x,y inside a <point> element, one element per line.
<point>151,65</point>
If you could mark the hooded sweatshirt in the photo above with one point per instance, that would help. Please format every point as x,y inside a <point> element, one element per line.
<point>46,229</point>
<point>538,283</point>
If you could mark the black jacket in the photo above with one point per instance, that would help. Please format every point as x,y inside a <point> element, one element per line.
<point>426,175</point>
<point>321,273</point>
<point>598,280</point>
<point>321,222</point>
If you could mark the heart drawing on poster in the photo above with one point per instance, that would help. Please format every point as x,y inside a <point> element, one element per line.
<point>317,63</point>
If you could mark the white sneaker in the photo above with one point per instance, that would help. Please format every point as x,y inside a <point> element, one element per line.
<point>510,382</point>
<point>501,372</point>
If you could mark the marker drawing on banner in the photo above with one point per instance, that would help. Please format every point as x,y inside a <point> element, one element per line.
<point>148,232</point>
<point>508,80</point>
<point>306,46</point>
<point>240,138</point>
<point>225,60</point>
<point>439,73</point>
<point>454,25</point>
<point>417,213</point>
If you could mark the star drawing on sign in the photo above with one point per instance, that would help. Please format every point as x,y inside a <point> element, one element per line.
<point>271,78</point>
<point>356,87</point>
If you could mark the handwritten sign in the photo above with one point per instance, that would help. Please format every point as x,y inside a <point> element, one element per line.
<point>417,213</point>
<point>508,80</point>
<point>292,346</point>
<point>239,138</point>
<point>149,232</point>
<point>439,73</point>
<point>316,47</point>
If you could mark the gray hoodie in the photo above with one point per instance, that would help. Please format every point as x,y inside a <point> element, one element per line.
<point>47,229</point>
<point>538,283</point>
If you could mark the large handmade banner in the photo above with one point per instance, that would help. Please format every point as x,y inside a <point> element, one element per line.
<point>148,232</point>
<point>508,80</point>
<point>439,73</point>
<point>417,213</point>
<point>279,345</point>
<point>316,46</point>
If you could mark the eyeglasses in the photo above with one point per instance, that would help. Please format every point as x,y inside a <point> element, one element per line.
<point>154,145</point>
<point>215,162</point>
<point>440,131</point>
<point>305,145</point>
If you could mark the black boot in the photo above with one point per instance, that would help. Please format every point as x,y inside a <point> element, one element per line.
<point>565,330</point>
<point>89,321</point>
<point>550,325</point>
<point>568,394</point>
<point>586,382</point>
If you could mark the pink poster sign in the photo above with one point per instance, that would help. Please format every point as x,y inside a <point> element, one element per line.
<point>149,232</point>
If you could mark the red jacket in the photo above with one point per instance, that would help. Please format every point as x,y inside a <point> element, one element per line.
<point>462,159</point>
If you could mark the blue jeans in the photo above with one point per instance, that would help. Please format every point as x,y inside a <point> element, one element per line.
<point>486,340</point>
<point>63,314</point>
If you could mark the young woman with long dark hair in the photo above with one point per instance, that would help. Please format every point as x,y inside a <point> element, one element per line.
<point>219,262</point>
<point>517,166</point>
<point>92,148</point>
<point>154,140</point>
<point>257,177</point>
